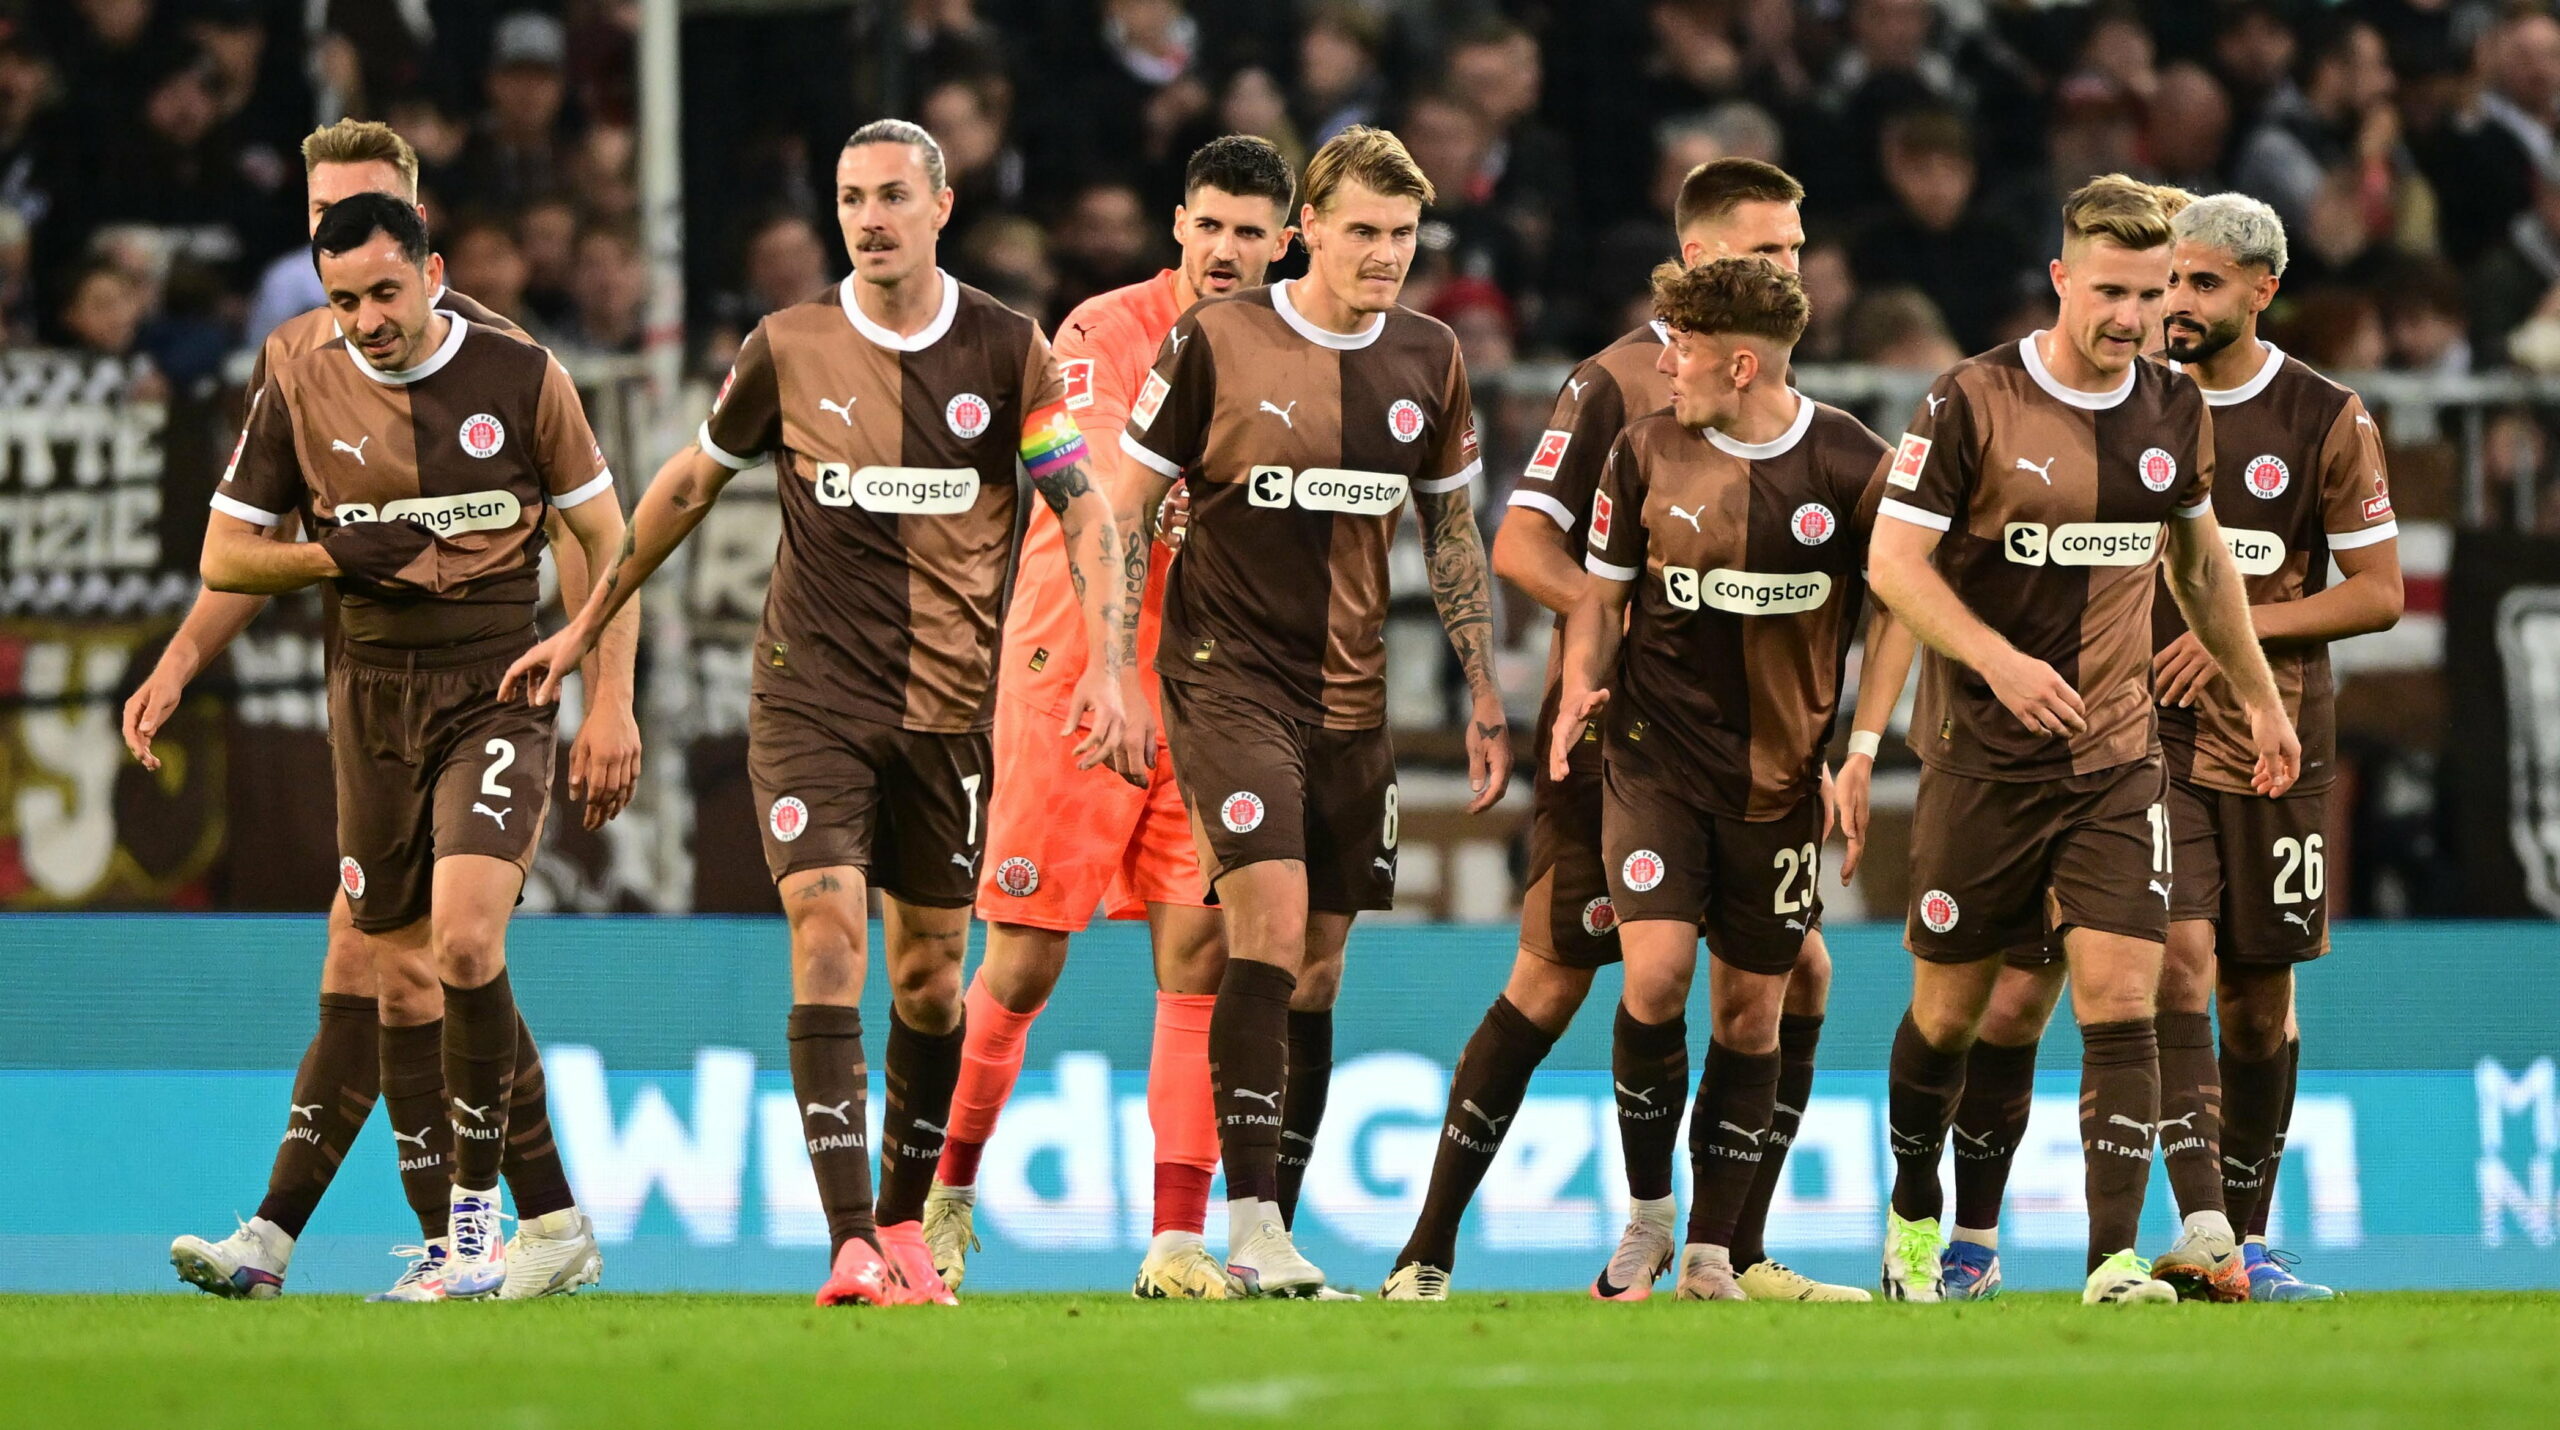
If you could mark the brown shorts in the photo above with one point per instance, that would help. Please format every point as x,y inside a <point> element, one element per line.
<point>1565,915</point>
<point>2256,868</point>
<point>1261,785</point>
<point>1984,853</point>
<point>1752,886</point>
<point>431,763</point>
<point>906,807</point>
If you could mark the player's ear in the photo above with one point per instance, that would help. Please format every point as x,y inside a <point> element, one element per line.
<point>435,271</point>
<point>942,209</point>
<point>2060,274</point>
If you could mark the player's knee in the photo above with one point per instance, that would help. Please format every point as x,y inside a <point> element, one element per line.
<point>1319,983</point>
<point>1809,983</point>
<point>1546,992</point>
<point>926,993</point>
<point>407,992</point>
<point>826,956</point>
<point>2186,968</point>
<point>348,966</point>
<point>1656,995</point>
<point>2255,1018</point>
<point>470,950</point>
<point>1748,1025</point>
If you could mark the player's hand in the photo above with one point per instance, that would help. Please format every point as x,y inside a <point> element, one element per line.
<point>2279,751</point>
<point>373,553</point>
<point>604,761</point>
<point>1488,754</point>
<point>1579,709</point>
<point>1849,793</point>
<point>542,668</point>
<point>1096,709</point>
<point>2181,671</point>
<point>1138,740</point>
<point>1173,515</point>
<point>149,709</point>
<point>2037,694</point>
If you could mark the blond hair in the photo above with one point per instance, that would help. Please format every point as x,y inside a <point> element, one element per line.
<point>2173,200</point>
<point>1751,297</point>
<point>1372,158</point>
<point>2124,211</point>
<point>362,141</point>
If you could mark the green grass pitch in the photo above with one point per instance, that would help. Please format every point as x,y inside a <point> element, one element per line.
<point>1481,1361</point>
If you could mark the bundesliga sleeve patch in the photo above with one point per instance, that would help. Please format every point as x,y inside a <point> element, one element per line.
<point>1051,442</point>
<point>1544,463</point>
<point>1142,413</point>
<point>1600,509</point>
<point>1908,459</point>
<point>1078,373</point>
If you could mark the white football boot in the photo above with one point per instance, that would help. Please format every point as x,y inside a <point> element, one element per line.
<point>247,1265</point>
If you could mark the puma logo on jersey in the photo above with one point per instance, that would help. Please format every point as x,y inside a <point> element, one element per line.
<point>1935,402</point>
<point>841,1112</point>
<point>842,409</point>
<point>1577,384</point>
<point>500,815</point>
<point>1491,1123</point>
<point>1269,1099</point>
<point>1081,328</point>
<point>1283,414</point>
<point>477,1114</point>
<point>968,862</point>
<point>2303,920</point>
<point>356,451</point>
<point>2043,473</point>
<point>1688,516</point>
<point>1174,342</point>
<point>308,1112</point>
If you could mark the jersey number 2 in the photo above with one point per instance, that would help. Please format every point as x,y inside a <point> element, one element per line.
<point>506,752</point>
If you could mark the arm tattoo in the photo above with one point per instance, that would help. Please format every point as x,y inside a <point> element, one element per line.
<point>1133,590</point>
<point>613,578</point>
<point>1454,552</point>
<point>1059,488</point>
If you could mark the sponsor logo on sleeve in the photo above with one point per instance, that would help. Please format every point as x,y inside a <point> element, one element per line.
<point>2156,468</point>
<point>1467,443</point>
<point>1908,459</point>
<point>2376,506</point>
<point>482,435</point>
<point>1151,396</point>
<point>722,396</point>
<point>1544,462</point>
<point>1078,373</point>
<point>2266,476</point>
<point>1404,419</point>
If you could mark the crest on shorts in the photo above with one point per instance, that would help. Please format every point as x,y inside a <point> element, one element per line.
<point>789,818</point>
<point>483,434</point>
<point>351,875</point>
<point>1813,523</point>
<point>2156,468</point>
<point>1938,910</point>
<point>2266,476</point>
<point>968,415</point>
<point>1599,917</point>
<point>1404,420</point>
<point>1018,877</point>
<point>1241,812</point>
<point>1642,872</point>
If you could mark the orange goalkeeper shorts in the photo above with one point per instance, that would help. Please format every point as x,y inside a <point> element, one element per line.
<point>1062,841</point>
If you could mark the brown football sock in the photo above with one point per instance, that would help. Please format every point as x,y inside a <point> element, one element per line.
<point>2253,1102</point>
<point>479,1076</point>
<point>532,1166</point>
<point>2190,1110</point>
<point>421,1125</point>
<point>333,1093</point>
<point>923,1068</point>
<point>1991,1120</point>
<point>1650,1064</point>
<point>1922,1089</point>
<point>1798,1035</point>
<point>1249,1073</point>
<point>831,1082</point>
<point>2119,1116</point>
<point>2284,1130</point>
<point>1484,1095</point>
<point>1728,1138</point>
<point>1302,1110</point>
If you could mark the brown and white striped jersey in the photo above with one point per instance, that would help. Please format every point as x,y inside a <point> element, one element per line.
<point>895,457</point>
<point>2051,501</point>
<point>1300,447</point>
<point>1606,391</point>
<point>318,328</point>
<point>2302,476</point>
<point>474,443</point>
<point>1750,565</point>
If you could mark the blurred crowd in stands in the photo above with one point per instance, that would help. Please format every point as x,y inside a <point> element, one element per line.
<point>150,187</point>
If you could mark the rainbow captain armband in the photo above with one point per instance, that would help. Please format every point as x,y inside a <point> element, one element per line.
<point>1051,442</point>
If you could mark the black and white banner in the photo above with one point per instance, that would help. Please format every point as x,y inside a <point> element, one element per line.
<point>2502,737</point>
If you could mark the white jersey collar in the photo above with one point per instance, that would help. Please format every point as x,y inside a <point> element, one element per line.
<point>2234,396</point>
<point>457,328</point>
<point>2072,396</point>
<point>1340,342</point>
<point>915,342</point>
<point>1777,446</point>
